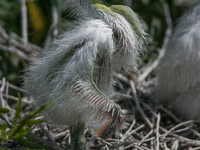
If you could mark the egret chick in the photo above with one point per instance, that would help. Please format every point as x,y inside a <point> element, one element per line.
<point>179,70</point>
<point>77,71</point>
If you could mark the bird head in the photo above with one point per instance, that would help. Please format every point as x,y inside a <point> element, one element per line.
<point>127,13</point>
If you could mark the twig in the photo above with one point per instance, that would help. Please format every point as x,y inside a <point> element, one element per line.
<point>138,128</point>
<point>124,96</point>
<point>34,48</point>
<point>24,22</point>
<point>181,130</point>
<point>52,30</point>
<point>177,120</point>
<point>16,99</point>
<point>148,107</point>
<point>165,146</point>
<point>122,78</point>
<point>16,51</point>
<point>128,132</point>
<point>144,138</point>
<point>177,126</point>
<point>17,41</point>
<point>138,104</point>
<point>54,17</point>
<point>168,33</point>
<point>45,129</point>
<point>14,87</point>
<point>61,134</point>
<point>7,89</point>
<point>1,92</point>
<point>175,145</point>
<point>157,131</point>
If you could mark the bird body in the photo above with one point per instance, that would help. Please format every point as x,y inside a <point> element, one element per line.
<point>77,71</point>
<point>179,70</point>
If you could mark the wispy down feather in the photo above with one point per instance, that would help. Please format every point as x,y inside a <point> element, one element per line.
<point>77,71</point>
<point>179,70</point>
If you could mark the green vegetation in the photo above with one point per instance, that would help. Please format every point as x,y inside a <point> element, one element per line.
<point>21,127</point>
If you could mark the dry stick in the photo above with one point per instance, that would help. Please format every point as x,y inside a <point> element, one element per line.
<point>107,143</point>
<point>181,139</point>
<point>138,128</point>
<point>165,146</point>
<point>122,78</point>
<point>107,147</point>
<point>175,144</point>
<point>132,145</point>
<point>141,147</point>
<point>157,131</point>
<point>1,92</point>
<point>171,134</point>
<point>178,125</point>
<point>168,33</point>
<point>24,22</point>
<point>3,33</point>
<point>149,139</point>
<point>184,141</point>
<point>15,87</point>
<point>30,45</point>
<point>138,104</point>
<point>128,132</point>
<point>170,114</point>
<point>146,136</point>
<point>3,102</point>
<point>178,120</point>
<point>7,89</point>
<point>181,130</point>
<point>61,134</point>
<point>6,101</point>
<point>16,99</point>
<point>151,110</point>
<point>152,144</point>
<point>124,96</point>
<point>16,51</point>
<point>54,17</point>
<point>11,39</point>
<point>52,29</point>
<point>45,129</point>
<point>117,145</point>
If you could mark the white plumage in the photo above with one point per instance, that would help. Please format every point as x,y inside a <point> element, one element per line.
<point>179,70</point>
<point>77,71</point>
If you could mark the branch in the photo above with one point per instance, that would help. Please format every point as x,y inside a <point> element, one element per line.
<point>168,33</point>
<point>24,22</point>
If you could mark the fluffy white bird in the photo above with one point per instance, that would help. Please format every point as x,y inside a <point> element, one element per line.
<point>77,71</point>
<point>179,70</point>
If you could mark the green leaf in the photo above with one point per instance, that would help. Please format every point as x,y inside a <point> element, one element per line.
<point>4,148</point>
<point>30,144</point>
<point>30,116</point>
<point>21,133</point>
<point>4,110</point>
<point>18,109</point>
<point>3,124</point>
<point>32,122</point>
<point>3,134</point>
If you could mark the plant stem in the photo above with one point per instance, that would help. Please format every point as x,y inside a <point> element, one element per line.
<point>78,141</point>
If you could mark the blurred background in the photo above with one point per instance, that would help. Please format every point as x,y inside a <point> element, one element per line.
<point>27,28</point>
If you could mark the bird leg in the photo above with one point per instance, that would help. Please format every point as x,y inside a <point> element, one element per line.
<point>78,141</point>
